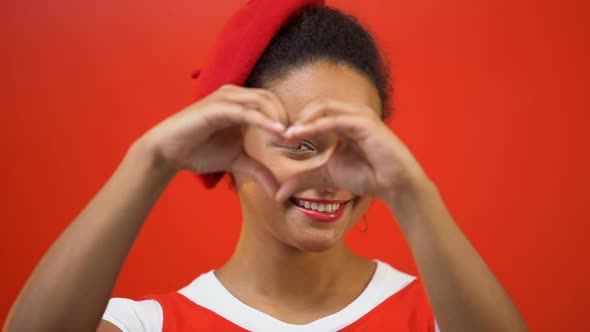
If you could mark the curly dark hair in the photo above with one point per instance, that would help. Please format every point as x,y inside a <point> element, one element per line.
<point>323,33</point>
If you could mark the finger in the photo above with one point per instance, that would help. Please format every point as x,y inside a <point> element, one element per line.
<point>320,108</point>
<point>316,178</point>
<point>223,115</point>
<point>263,99</point>
<point>326,107</point>
<point>358,130</point>
<point>354,127</point>
<point>246,165</point>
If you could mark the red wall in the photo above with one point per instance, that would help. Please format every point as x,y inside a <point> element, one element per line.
<point>491,97</point>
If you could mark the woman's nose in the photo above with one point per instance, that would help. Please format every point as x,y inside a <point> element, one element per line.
<point>329,191</point>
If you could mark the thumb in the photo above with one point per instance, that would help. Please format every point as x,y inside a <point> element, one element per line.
<point>253,168</point>
<point>315,178</point>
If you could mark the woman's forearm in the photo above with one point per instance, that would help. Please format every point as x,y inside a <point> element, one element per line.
<point>463,292</point>
<point>71,285</point>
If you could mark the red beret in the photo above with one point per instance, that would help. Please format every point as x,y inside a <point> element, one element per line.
<point>243,39</point>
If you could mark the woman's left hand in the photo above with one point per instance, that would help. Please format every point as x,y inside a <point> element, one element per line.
<point>369,158</point>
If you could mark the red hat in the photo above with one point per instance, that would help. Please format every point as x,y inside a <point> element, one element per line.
<point>243,39</point>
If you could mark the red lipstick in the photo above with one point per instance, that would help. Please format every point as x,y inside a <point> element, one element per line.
<point>322,216</point>
<point>325,201</point>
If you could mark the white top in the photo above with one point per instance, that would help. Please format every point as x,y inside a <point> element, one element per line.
<point>207,291</point>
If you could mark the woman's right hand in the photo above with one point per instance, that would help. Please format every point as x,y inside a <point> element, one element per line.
<point>206,137</point>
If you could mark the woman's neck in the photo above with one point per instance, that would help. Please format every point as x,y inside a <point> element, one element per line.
<point>271,270</point>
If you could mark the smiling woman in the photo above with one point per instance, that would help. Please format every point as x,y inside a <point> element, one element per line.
<point>322,87</point>
<point>305,142</point>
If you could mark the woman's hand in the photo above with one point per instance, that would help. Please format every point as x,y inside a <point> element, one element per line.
<point>368,160</point>
<point>206,137</point>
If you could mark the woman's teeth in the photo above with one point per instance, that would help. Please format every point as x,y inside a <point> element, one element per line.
<point>321,207</point>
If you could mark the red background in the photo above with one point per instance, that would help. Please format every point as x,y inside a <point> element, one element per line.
<point>491,97</point>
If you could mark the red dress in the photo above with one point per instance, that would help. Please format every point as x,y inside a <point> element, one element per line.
<point>392,301</point>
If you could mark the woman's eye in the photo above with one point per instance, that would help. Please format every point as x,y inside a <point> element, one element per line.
<point>302,147</point>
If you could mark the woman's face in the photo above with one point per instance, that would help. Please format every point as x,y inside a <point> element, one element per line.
<point>298,222</point>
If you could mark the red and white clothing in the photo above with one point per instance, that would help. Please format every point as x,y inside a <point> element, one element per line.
<point>392,301</point>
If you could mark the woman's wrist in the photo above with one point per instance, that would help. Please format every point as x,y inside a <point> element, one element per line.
<point>145,152</point>
<point>409,204</point>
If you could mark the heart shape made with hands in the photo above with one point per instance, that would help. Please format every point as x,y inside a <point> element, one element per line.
<point>367,158</point>
<point>340,166</point>
<point>343,165</point>
<point>310,171</point>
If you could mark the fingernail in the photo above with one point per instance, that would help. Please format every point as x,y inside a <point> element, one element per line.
<point>292,130</point>
<point>278,126</point>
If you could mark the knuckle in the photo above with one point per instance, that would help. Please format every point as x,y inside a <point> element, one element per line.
<point>217,104</point>
<point>264,95</point>
<point>321,103</point>
<point>227,87</point>
<point>372,116</point>
<point>336,118</point>
<point>226,90</point>
<point>368,110</point>
<point>221,108</point>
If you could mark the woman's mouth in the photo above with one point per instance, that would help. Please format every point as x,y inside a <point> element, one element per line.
<point>323,210</point>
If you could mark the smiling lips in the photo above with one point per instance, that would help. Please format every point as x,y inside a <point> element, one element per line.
<point>323,210</point>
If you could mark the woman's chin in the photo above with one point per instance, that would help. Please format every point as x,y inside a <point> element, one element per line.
<point>315,242</point>
<point>315,247</point>
<point>314,236</point>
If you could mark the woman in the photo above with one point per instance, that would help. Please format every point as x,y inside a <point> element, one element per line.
<point>307,148</point>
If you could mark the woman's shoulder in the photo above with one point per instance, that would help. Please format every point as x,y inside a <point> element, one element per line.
<point>146,314</point>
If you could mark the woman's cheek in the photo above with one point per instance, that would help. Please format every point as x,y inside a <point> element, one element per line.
<point>286,164</point>
<point>284,167</point>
